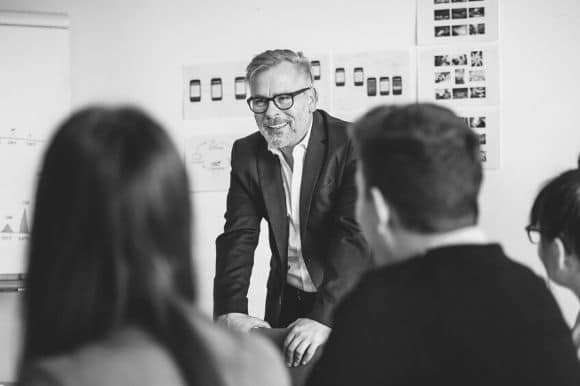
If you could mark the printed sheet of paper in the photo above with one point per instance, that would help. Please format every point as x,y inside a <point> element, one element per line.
<point>364,80</point>
<point>208,161</point>
<point>459,75</point>
<point>456,21</point>
<point>215,90</point>
<point>485,122</point>
<point>208,149</point>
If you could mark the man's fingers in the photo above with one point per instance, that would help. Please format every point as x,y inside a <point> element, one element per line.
<point>309,353</point>
<point>290,348</point>
<point>289,337</point>
<point>299,352</point>
<point>292,342</point>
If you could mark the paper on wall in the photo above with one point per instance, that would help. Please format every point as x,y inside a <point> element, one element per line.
<point>363,80</point>
<point>214,90</point>
<point>208,160</point>
<point>456,21</point>
<point>459,75</point>
<point>485,122</point>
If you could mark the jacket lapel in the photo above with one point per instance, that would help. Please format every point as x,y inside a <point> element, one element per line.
<point>313,163</point>
<point>274,198</point>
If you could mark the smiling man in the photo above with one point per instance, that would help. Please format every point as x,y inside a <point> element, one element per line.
<point>298,173</point>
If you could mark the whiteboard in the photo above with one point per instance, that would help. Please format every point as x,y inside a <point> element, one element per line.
<point>34,97</point>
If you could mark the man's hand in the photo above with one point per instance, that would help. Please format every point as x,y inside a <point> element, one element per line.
<point>576,339</point>
<point>303,339</point>
<point>241,322</point>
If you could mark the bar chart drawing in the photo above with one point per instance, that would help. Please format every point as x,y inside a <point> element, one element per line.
<point>24,229</point>
<point>16,226</point>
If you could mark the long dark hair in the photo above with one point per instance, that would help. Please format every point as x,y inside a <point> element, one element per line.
<point>111,240</point>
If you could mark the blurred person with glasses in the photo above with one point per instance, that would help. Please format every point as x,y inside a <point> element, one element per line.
<point>555,229</point>
<point>298,173</point>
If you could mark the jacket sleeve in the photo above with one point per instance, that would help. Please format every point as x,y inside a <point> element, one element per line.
<point>236,245</point>
<point>348,254</point>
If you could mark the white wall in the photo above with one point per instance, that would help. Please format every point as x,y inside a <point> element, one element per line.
<point>133,51</point>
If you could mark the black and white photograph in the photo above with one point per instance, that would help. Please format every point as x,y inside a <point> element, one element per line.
<point>442,14</point>
<point>443,30</point>
<point>477,12</point>
<point>477,122</point>
<point>302,193</point>
<point>483,155</point>
<point>459,30</point>
<point>442,60</point>
<point>460,76</point>
<point>443,76</point>
<point>459,13</point>
<point>460,93</point>
<point>476,58</point>
<point>477,92</point>
<point>477,29</point>
<point>476,75</point>
<point>459,60</point>
<point>482,139</point>
<point>442,93</point>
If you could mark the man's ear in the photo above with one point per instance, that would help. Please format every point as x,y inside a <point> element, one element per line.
<point>567,264</point>
<point>312,100</point>
<point>381,209</point>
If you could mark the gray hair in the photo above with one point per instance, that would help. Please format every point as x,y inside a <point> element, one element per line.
<point>271,58</point>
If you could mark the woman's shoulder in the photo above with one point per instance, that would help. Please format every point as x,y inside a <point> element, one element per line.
<point>128,357</point>
<point>244,358</point>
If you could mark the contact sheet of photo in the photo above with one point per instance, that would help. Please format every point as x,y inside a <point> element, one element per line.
<point>465,77</point>
<point>462,75</point>
<point>444,21</point>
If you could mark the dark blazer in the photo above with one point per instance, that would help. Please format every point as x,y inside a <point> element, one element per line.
<point>458,315</point>
<point>334,249</point>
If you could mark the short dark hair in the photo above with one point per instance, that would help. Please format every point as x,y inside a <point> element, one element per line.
<point>111,240</point>
<point>425,161</point>
<point>556,209</point>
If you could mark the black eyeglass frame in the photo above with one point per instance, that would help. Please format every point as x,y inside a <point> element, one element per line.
<point>530,230</point>
<point>273,99</point>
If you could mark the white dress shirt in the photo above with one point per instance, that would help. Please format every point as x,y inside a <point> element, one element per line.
<point>297,275</point>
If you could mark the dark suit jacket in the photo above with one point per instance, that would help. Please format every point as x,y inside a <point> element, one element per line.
<point>459,315</point>
<point>334,249</point>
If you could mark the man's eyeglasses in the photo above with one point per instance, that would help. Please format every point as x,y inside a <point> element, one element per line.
<point>259,104</point>
<point>533,234</point>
